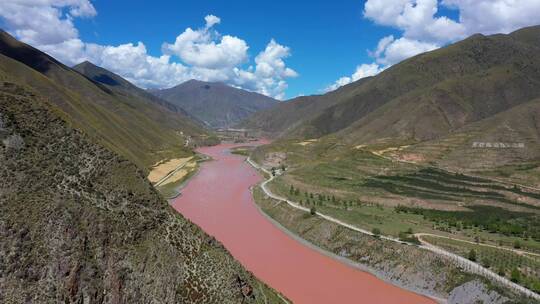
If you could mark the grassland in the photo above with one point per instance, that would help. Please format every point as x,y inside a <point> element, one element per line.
<point>372,187</point>
<point>372,191</point>
<point>244,151</point>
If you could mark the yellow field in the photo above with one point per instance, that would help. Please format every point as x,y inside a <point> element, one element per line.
<point>162,169</point>
<point>307,142</point>
<point>180,174</point>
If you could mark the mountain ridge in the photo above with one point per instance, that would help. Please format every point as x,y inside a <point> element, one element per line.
<point>343,107</point>
<point>217,104</point>
<point>120,85</point>
<point>137,127</point>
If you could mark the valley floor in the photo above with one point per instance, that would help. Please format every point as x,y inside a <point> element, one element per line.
<point>219,200</point>
<point>407,264</point>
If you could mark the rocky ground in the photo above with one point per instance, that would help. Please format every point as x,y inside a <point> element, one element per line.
<point>80,224</point>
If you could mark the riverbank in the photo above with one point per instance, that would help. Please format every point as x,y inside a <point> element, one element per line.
<point>264,210</point>
<point>172,189</point>
<point>299,222</point>
<point>218,199</point>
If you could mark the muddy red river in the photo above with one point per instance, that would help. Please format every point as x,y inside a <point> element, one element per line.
<point>218,199</point>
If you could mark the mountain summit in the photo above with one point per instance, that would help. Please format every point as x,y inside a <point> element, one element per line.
<point>215,103</point>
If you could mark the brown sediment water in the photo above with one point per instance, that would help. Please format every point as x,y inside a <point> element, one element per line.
<point>218,199</point>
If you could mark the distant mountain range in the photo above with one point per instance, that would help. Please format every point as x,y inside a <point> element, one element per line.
<point>216,104</point>
<point>126,119</point>
<point>481,89</point>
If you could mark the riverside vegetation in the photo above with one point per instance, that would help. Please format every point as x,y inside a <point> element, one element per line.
<point>339,184</point>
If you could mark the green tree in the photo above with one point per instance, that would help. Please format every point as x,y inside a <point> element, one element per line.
<point>515,275</point>
<point>313,211</point>
<point>376,231</point>
<point>472,255</point>
<point>517,244</point>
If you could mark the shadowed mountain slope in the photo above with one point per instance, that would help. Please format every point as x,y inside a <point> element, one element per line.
<point>123,87</point>
<point>215,103</point>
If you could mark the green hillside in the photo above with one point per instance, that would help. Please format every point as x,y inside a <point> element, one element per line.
<point>143,129</point>
<point>421,98</point>
<point>80,224</point>
<point>445,143</point>
<point>434,108</point>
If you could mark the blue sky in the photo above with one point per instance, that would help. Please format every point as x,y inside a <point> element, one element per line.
<point>327,39</point>
<point>278,48</point>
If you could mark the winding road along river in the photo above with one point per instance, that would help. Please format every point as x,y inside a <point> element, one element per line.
<point>218,199</point>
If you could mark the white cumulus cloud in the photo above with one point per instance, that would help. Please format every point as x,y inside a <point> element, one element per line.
<point>396,50</point>
<point>41,22</point>
<point>206,48</point>
<point>267,77</point>
<point>211,20</point>
<point>495,16</point>
<point>362,71</point>
<point>202,53</point>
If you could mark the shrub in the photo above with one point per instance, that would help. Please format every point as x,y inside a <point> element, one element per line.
<point>472,255</point>
<point>515,276</point>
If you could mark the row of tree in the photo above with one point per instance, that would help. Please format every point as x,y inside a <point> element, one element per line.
<point>319,199</point>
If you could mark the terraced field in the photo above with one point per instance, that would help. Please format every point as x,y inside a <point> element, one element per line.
<point>430,183</point>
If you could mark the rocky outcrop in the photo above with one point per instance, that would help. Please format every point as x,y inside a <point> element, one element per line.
<point>475,292</point>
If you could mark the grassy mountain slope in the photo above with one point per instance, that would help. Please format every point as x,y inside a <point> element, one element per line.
<point>217,104</point>
<point>123,87</point>
<point>424,97</point>
<point>282,119</point>
<point>501,72</point>
<point>457,151</point>
<point>401,151</point>
<point>139,128</point>
<point>80,224</point>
